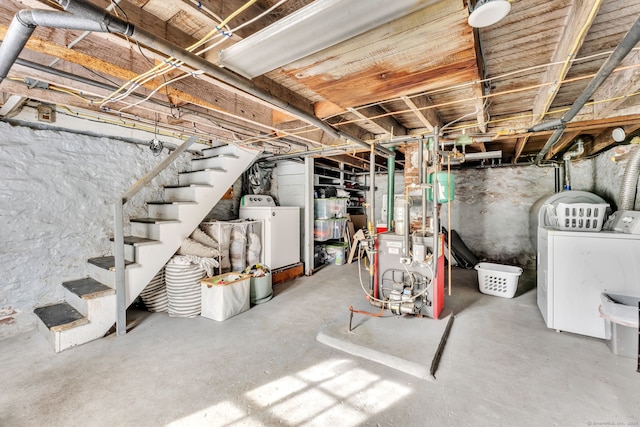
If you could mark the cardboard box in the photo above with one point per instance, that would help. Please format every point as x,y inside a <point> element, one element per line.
<point>359,221</point>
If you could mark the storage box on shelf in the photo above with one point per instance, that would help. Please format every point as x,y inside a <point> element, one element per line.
<point>328,229</point>
<point>341,179</point>
<point>334,207</point>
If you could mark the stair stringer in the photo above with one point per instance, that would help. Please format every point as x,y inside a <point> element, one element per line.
<point>149,259</point>
<point>152,258</point>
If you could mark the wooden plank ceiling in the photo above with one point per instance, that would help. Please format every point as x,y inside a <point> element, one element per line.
<point>428,69</point>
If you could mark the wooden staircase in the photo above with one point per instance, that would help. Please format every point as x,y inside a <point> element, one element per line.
<point>89,309</point>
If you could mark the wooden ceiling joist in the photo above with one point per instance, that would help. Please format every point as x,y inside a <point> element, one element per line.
<point>618,86</point>
<point>384,125</point>
<point>579,19</point>
<point>421,107</point>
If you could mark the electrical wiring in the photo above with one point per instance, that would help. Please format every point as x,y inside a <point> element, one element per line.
<point>251,21</point>
<point>491,95</point>
<point>486,80</point>
<point>165,69</point>
<point>171,62</point>
<point>195,73</point>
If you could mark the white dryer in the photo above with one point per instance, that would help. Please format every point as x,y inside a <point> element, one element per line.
<point>575,267</point>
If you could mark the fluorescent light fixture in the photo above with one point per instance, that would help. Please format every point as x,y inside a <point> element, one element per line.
<point>488,12</point>
<point>321,24</point>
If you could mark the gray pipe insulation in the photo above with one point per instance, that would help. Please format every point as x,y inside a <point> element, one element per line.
<point>629,186</point>
<point>80,15</point>
<point>624,47</point>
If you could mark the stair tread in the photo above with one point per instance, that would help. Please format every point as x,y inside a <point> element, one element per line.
<point>178,202</point>
<point>227,155</point>
<point>204,170</point>
<point>88,288</point>
<point>107,262</point>
<point>154,220</point>
<point>137,241</point>
<point>60,317</point>
<point>188,185</point>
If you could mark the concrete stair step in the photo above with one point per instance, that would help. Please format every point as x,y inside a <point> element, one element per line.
<point>88,288</point>
<point>60,317</point>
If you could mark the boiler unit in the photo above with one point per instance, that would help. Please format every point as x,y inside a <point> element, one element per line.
<point>405,278</point>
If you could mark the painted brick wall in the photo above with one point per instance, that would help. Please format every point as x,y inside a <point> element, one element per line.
<point>56,196</point>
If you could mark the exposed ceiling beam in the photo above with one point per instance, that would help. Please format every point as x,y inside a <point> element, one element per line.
<point>422,108</point>
<point>482,116</point>
<point>579,19</point>
<point>350,160</point>
<point>565,141</point>
<point>386,125</point>
<point>618,86</point>
<point>11,104</point>
<point>604,140</point>
<point>517,152</point>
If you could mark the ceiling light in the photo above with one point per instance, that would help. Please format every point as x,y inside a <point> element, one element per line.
<point>618,135</point>
<point>310,29</point>
<point>488,12</point>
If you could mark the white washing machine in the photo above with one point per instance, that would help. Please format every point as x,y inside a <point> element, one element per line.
<point>575,267</point>
<point>281,231</point>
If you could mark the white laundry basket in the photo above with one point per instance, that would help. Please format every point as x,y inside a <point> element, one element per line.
<point>497,279</point>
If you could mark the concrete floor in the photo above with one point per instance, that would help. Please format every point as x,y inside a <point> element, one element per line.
<point>501,366</point>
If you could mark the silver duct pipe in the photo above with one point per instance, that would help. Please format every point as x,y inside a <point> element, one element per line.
<point>80,15</point>
<point>624,47</point>
<point>567,163</point>
<point>629,186</point>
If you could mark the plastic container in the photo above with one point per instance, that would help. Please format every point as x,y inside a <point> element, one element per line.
<point>620,313</point>
<point>336,253</point>
<point>446,187</point>
<point>225,295</point>
<point>339,226</point>
<point>497,279</point>
<point>330,208</point>
<point>577,216</point>
<point>322,229</point>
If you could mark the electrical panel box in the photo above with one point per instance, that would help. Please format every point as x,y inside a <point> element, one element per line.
<point>46,113</point>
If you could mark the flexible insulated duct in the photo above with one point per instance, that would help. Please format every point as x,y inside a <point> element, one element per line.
<point>81,15</point>
<point>629,186</point>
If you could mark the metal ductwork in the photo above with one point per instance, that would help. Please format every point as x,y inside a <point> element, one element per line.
<point>80,15</point>
<point>624,47</point>
<point>627,195</point>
